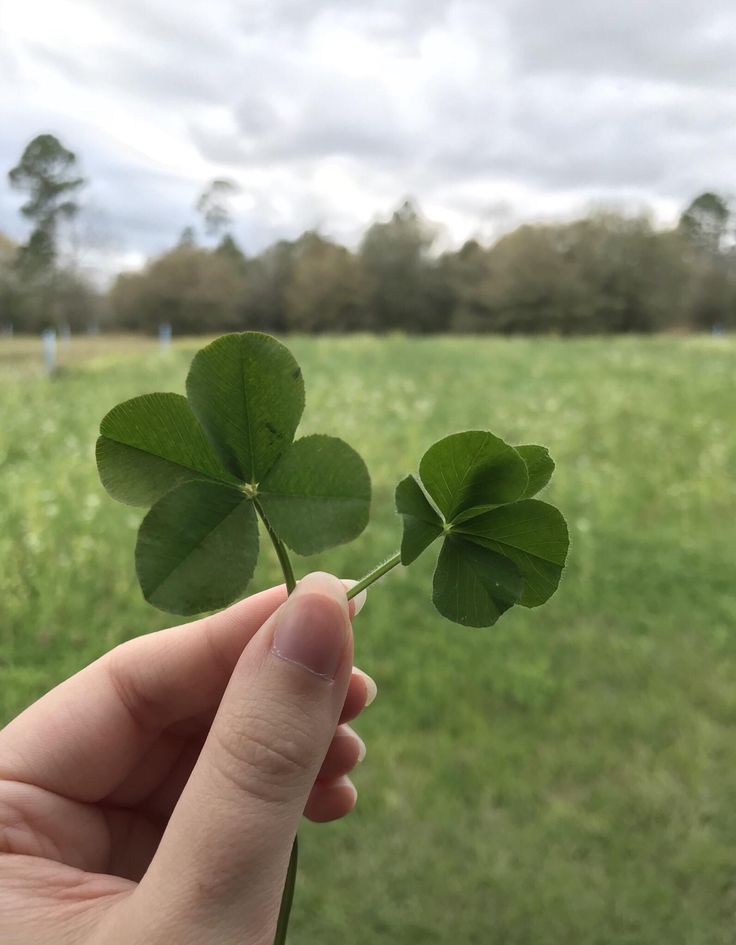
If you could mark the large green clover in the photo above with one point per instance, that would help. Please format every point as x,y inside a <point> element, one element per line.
<point>501,547</point>
<point>209,463</point>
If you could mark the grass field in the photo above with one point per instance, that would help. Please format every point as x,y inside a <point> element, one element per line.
<point>566,777</point>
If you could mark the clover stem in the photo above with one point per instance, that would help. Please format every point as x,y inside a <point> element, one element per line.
<point>279,548</point>
<point>288,894</point>
<point>374,575</point>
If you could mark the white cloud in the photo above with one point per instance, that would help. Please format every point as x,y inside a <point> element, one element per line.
<point>328,112</point>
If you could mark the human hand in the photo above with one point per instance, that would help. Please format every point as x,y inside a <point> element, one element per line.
<point>154,797</point>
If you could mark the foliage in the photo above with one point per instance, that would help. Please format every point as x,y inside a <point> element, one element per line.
<point>395,257</point>
<point>499,546</point>
<point>326,290</point>
<point>36,291</point>
<point>58,297</point>
<point>229,249</point>
<point>602,274</point>
<point>708,228</point>
<point>707,223</point>
<point>606,273</point>
<point>211,463</point>
<point>47,171</point>
<point>9,289</point>
<point>266,284</point>
<point>191,288</point>
<point>213,205</point>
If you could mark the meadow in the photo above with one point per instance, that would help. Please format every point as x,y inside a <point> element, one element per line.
<point>568,776</point>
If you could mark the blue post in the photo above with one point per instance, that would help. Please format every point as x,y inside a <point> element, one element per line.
<point>48,344</point>
<point>164,336</point>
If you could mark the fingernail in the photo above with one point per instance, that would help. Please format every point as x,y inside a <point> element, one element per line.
<point>351,733</point>
<point>371,689</point>
<point>345,782</point>
<point>359,600</point>
<point>312,627</point>
<point>361,748</point>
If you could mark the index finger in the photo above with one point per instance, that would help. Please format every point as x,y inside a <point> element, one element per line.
<point>82,738</point>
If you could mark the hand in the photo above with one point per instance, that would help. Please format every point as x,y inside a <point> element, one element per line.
<point>154,797</point>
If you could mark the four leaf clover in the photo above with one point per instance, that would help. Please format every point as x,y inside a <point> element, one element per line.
<point>209,463</point>
<point>501,547</point>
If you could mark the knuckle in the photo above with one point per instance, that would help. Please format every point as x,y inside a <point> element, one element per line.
<point>215,644</point>
<point>263,758</point>
<point>124,673</point>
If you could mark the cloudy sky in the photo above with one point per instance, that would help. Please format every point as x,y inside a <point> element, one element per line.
<point>328,112</point>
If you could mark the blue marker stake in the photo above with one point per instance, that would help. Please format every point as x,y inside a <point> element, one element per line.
<point>48,344</point>
<point>164,336</point>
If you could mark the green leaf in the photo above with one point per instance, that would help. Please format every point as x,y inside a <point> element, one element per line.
<point>150,444</point>
<point>247,392</point>
<point>422,525</point>
<point>473,470</point>
<point>317,495</point>
<point>534,536</point>
<point>474,586</point>
<point>197,548</point>
<point>539,465</point>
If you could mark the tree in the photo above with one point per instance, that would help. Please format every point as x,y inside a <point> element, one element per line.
<point>267,278</point>
<point>633,277</point>
<point>400,273</point>
<point>229,249</point>
<point>605,273</point>
<point>532,285</point>
<point>326,289</point>
<point>464,276</point>
<point>705,223</point>
<point>712,297</point>
<point>601,274</point>
<point>187,237</point>
<point>707,226</point>
<point>47,172</point>
<point>8,283</point>
<point>213,205</point>
<point>191,288</point>
<point>30,302</point>
<point>76,304</point>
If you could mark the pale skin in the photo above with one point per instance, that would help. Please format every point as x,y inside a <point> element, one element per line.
<point>154,797</point>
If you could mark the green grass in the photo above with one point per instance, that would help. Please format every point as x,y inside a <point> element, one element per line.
<point>568,776</point>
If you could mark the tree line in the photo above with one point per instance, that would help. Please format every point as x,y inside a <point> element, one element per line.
<point>608,272</point>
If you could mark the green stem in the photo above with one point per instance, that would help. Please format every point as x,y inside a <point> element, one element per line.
<point>280,549</point>
<point>288,894</point>
<point>374,575</point>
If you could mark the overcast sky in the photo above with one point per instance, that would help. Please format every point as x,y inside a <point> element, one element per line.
<point>328,112</point>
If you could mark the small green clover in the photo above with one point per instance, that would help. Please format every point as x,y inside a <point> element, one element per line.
<point>500,547</point>
<point>210,462</point>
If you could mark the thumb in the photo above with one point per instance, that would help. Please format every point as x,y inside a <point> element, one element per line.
<point>223,857</point>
